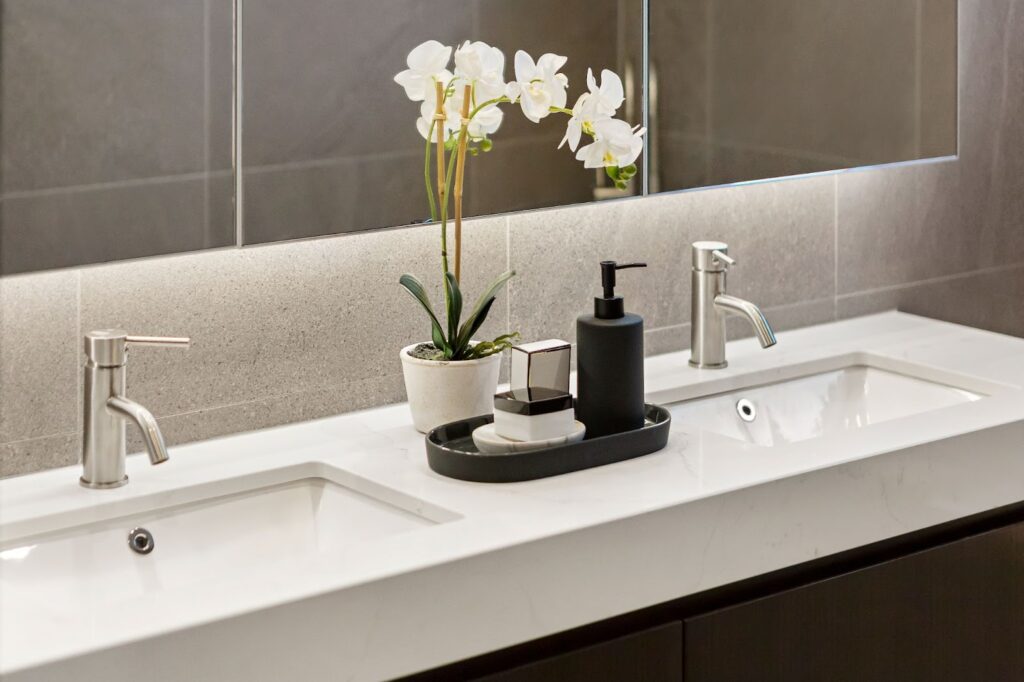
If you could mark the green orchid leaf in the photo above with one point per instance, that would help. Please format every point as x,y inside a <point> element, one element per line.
<point>439,342</point>
<point>418,292</point>
<point>471,326</point>
<point>480,310</point>
<point>454,295</point>
<point>486,348</point>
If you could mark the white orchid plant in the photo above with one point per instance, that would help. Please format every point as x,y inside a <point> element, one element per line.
<point>459,112</point>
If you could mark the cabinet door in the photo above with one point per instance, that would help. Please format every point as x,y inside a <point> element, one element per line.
<point>953,612</point>
<point>654,655</point>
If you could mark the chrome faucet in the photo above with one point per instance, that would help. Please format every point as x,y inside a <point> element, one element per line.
<point>710,304</point>
<point>107,409</point>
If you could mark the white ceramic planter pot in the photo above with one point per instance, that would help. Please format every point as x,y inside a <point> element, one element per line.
<point>440,391</point>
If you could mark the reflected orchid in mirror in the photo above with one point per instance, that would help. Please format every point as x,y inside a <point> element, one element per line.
<point>459,112</point>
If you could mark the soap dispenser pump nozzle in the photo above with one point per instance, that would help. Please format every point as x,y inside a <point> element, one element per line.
<point>610,306</point>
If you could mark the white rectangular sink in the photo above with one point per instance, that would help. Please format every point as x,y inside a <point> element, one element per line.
<point>207,538</point>
<point>814,405</point>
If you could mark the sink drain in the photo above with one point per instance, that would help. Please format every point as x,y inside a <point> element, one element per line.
<point>141,541</point>
<point>746,410</point>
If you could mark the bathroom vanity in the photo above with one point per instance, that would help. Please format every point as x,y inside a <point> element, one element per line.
<point>847,505</point>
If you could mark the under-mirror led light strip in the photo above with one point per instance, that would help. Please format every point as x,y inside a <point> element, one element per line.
<point>236,118</point>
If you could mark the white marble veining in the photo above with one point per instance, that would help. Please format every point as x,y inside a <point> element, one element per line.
<point>488,566</point>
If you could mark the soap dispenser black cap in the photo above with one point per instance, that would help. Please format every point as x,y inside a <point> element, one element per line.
<point>610,306</point>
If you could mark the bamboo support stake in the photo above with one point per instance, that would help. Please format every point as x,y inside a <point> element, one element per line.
<point>439,119</point>
<point>460,174</point>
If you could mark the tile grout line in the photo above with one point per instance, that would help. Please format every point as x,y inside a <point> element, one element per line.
<point>932,280</point>
<point>62,434</point>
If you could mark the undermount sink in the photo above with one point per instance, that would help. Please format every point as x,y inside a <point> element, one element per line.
<point>864,390</point>
<point>213,537</point>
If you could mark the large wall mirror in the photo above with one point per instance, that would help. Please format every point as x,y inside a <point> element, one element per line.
<point>115,130</point>
<point>122,122</point>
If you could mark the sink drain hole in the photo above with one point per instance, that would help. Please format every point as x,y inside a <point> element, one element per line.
<point>746,410</point>
<point>141,541</point>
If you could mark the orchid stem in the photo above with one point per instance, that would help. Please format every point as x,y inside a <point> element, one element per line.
<point>460,176</point>
<point>426,175</point>
<point>442,190</point>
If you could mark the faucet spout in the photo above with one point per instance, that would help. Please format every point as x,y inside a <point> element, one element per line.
<point>146,422</point>
<point>753,314</point>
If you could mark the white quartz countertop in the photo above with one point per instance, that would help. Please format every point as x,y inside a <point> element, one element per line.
<point>524,560</point>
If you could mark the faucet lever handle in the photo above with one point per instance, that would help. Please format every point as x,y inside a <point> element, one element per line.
<point>171,341</point>
<point>723,258</point>
<point>108,347</point>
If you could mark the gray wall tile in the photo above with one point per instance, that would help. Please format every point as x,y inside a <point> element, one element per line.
<point>279,320</point>
<point>277,410</point>
<point>50,452</point>
<point>989,299</point>
<point>900,225</point>
<point>782,234</point>
<point>39,355</point>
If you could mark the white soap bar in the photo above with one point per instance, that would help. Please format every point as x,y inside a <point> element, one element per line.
<point>538,427</point>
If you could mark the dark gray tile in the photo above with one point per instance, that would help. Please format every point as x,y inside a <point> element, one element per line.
<point>815,76</point>
<point>527,173</point>
<point>39,355</point>
<point>988,300</point>
<point>901,225</point>
<point>318,75</point>
<point>680,58</point>
<point>107,90</point>
<point>66,228</point>
<point>938,60</point>
<point>991,154</point>
<point>739,163</point>
<point>585,31</point>
<point>346,195</point>
<point>680,161</point>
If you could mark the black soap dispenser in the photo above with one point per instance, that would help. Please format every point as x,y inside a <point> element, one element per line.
<point>610,362</point>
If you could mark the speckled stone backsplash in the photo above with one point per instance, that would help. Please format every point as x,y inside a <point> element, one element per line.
<point>301,330</point>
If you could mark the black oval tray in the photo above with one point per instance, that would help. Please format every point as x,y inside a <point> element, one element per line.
<point>451,451</point>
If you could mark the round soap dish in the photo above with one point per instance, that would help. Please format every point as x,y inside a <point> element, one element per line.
<point>490,443</point>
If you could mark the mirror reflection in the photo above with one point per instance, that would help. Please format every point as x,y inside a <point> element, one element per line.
<point>331,143</point>
<point>115,130</point>
<point>753,89</point>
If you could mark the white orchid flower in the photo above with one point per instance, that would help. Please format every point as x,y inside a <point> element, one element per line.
<point>610,95</point>
<point>538,85</point>
<point>586,113</point>
<point>482,123</point>
<point>483,67</point>
<point>615,144</point>
<point>428,63</point>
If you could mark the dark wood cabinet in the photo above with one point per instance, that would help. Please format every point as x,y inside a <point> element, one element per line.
<point>652,655</point>
<point>953,612</point>
<point>944,603</point>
